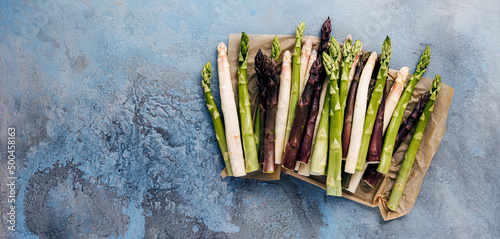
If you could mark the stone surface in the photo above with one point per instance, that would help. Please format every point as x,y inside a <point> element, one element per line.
<point>114,140</point>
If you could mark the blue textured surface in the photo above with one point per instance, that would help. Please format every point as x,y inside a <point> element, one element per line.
<point>114,139</point>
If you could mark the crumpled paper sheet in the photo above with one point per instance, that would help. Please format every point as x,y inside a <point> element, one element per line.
<point>378,196</point>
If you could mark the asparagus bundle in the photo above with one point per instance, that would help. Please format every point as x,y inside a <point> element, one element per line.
<point>359,115</point>
<point>284,99</point>
<point>349,110</point>
<point>214,113</point>
<point>374,103</point>
<point>293,143</point>
<point>248,137</point>
<point>261,109</point>
<point>411,153</point>
<point>334,178</point>
<point>271,79</point>
<point>390,136</point>
<point>230,113</point>
<point>393,98</point>
<point>294,93</point>
<point>408,123</point>
<point>305,54</point>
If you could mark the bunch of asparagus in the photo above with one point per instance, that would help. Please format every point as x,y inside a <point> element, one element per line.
<point>325,106</point>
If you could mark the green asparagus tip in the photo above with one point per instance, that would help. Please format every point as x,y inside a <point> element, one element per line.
<point>356,48</point>
<point>300,30</point>
<point>347,48</point>
<point>424,60</point>
<point>243,46</point>
<point>386,48</point>
<point>207,74</point>
<point>276,49</point>
<point>334,48</point>
<point>436,86</point>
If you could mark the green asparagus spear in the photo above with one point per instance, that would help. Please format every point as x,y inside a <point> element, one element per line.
<point>294,94</point>
<point>406,166</point>
<point>373,105</point>
<point>214,112</point>
<point>275,48</point>
<point>397,116</point>
<point>248,137</point>
<point>320,150</point>
<point>349,53</point>
<point>334,178</point>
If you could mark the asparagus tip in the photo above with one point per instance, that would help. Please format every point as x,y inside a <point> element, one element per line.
<point>207,73</point>
<point>221,48</point>
<point>348,37</point>
<point>244,44</point>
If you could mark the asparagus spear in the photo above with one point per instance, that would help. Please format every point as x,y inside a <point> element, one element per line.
<point>293,144</point>
<point>294,94</point>
<point>304,169</point>
<point>256,129</point>
<point>349,111</point>
<point>353,71</point>
<point>305,147</point>
<point>393,98</point>
<point>348,53</point>
<point>259,70</point>
<point>228,106</point>
<point>397,116</point>
<point>374,103</point>
<point>304,59</point>
<point>411,153</point>
<point>248,137</point>
<point>270,71</point>
<point>376,138</point>
<point>407,124</point>
<point>359,115</point>
<point>374,77</point>
<point>334,178</point>
<point>214,113</point>
<point>284,99</point>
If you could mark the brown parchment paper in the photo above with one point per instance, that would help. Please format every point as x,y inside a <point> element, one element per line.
<point>378,196</point>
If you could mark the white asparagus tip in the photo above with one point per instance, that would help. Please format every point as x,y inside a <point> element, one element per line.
<point>222,49</point>
<point>287,56</point>
<point>348,37</point>
<point>373,55</point>
<point>306,48</point>
<point>314,54</point>
<point>402,74</point>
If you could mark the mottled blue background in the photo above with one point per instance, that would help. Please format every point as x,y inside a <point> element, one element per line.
<point>114,139</point>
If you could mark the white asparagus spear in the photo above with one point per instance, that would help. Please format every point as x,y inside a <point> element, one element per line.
<point>394,95</point>
<point>353,70</point>
<point>305,55</point>
<point>355,180</point>
<point>305,168</point>
<point>230,113</point>
<point>359,115</point>
<point>283,101</point>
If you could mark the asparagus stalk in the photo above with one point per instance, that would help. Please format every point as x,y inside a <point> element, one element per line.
<point>348,53</point>
<point>320,148</point>
<point>374,103</point>
<point>294,141</point>
<point>228,106</point>
<point>349,111</point>
<point>411,153</point>
<point>334,178</point>
<point>248,137</point>
<point>397,116</point>
<point>259,70</point>
<point>256,129</point>
<point>376,139</point>
<point>214,113</point>
<point>393,98</point>
<point>294,94</point>
<point>359,115</point>
<point>304,169</point>
<point>284,99</point>
<point>355,180</point>
<point>372,177</point>
<point>407,124</point>
<point>270,71</point>
<point>305,147</point>
<point>304,59</point>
